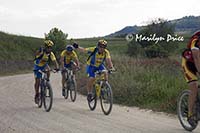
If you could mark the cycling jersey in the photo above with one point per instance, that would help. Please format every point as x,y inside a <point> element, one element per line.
<point>193,44</point>
<point>41,61</point>
<point>68,57</point>
<point>97,59</point>
<point>44,59</point>
<point>190,70</point>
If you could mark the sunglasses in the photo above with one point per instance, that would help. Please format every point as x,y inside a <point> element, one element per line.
<point>49,47</point>
<point>102,46</point>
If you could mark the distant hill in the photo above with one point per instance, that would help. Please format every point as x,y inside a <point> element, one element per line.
<point>187,24</point>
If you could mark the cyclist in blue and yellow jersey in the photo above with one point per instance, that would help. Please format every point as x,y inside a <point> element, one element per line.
<point>42,58</point>
<point>69,59</point>
<point>191,67</point>
<point>95,62</point>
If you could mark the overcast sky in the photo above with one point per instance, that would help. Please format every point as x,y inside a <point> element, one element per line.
<point>87,18</point>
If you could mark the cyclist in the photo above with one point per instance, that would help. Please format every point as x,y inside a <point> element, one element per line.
<point>95,62</point>
<point>191,67</point>
<point>42,58</point>
<point>69,59</point>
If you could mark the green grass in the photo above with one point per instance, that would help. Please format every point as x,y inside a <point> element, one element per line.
<point>146,83</point>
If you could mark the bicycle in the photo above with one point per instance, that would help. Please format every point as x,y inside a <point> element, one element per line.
<point>182,110</point>
<point>45,92</point>
<point>103,91</point>
<point>70,84</point>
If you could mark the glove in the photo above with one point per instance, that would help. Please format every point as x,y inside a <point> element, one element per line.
<point>56,69</point>
<point>75,45</point>
<point>111,70</point>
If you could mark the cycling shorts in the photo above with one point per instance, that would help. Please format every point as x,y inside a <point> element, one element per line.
<point>37,74</point>
<point>92,69</point>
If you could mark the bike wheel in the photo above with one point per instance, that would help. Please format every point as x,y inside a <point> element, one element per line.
<point>73,90</point>
<point>182,110</point>
<point>40,98</point>
<point>106,98</point>
<point>66,93</point>
<point>48,97</point>
<point>93,103</point>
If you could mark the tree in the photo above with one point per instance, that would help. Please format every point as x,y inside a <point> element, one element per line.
<point>160,28</point>
<point>59,39</point>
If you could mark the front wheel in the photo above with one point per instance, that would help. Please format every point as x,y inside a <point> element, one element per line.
<point>40,98</point>
<point>48,97</point>
<point>182,110</point>
<point>106,98</point>
<point>73,90</point>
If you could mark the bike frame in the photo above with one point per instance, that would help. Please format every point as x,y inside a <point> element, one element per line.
<point>98,83</point>
<point>69,74</point>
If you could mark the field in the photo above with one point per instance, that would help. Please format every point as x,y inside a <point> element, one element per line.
<point>146,83</point>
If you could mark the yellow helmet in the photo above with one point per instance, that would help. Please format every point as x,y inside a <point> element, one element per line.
<point>102,43</point>
<point>48,43</point>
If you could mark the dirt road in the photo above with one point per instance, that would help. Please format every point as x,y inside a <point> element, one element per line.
<point>19,114</point>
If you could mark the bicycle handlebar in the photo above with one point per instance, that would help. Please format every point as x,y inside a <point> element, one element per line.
<point>102,71</point>
<point>51,70</point>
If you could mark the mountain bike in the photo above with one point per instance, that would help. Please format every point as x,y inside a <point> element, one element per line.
<point>45,92</point>
<point>182,110</point>
<point>70,85</point>
<point>103,91</point>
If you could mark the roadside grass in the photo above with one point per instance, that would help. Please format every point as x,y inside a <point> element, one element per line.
<point>146,83</point>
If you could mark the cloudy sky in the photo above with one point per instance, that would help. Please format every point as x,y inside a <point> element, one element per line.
<point>87,18</point>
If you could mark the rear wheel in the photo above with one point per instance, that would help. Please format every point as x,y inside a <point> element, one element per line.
<point>93,103</point>
<point>40,97</point>
<point>48,97</point>
<point>182,111</point>
<point>106,98</point>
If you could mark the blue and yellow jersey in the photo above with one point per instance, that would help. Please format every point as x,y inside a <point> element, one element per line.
<point>44,59</point>
<point>68,57</point>
<point>97,59</point>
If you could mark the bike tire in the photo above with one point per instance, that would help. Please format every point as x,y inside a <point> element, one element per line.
<point>106,98</point>
<point>48,97</point>
<point>73,90</point>
<point>182,110</point>
<point>66,93</point>
<point>93,103</point>
<point>40,97</point>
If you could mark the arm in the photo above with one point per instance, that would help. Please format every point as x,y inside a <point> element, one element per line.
<point>77,62</point>
<point>81,49</point>
<point>62,62</point>
<point>39,52</point>
<point>56,64</point>
<point>109,62</point>
<point>196,56</point>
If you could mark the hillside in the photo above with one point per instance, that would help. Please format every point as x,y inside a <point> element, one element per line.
<point>185,25</point>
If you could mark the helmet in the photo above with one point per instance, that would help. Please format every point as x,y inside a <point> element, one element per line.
<point>69,48</point>
<point>48,43</point>
<point>102,43</point>
<point>196,34</point>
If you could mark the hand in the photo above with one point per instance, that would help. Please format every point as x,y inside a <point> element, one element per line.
<point>75,45</point>
<point>56,69</point>
<point>111,70</point>
<point>78,67</point>
<point>63,70</point>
